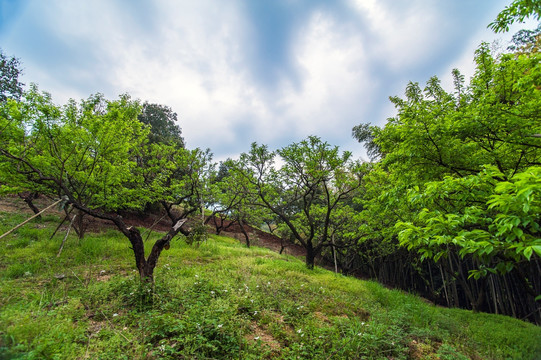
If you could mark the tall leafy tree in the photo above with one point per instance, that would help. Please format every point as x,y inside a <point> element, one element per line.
<point>10,70</point>
<point>452,153</point>
<point>163,124</point>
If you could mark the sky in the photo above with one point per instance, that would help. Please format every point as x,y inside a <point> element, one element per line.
<point>239,71</point>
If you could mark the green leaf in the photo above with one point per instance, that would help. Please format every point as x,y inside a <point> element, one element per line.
<point>528,252</point>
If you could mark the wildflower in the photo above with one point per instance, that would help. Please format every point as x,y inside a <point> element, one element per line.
<point>220,325</point>
<point>255,312</point>
<point>256,338</point>
<point>115,315</point>
<point>212,292</point>
<point>299,331</point>
<point>225,290</point>
<point>196,275</point>
<point>268,282</point>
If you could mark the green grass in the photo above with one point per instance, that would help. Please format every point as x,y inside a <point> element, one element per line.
<point>219,300</point>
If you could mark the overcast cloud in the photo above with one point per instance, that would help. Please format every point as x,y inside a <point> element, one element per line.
<point>271,71</point>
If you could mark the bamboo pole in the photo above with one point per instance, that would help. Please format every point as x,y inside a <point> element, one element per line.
<point>30,218</point>
<point>65,237</point>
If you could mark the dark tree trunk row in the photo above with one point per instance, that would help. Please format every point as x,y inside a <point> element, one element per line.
<point>447,282</point>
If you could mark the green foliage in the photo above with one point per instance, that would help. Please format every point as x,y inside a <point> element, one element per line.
<point>467,161</point>
<point>163,124</point>
<point>519,10</point>
<point>10,70</point>
<point>85,151</point>
<point>493,220</point>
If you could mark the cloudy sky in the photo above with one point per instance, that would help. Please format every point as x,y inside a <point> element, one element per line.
<point>271,71</point>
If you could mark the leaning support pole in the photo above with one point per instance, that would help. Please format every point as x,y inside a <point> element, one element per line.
<point>30,218</point>
<point>65,237</point>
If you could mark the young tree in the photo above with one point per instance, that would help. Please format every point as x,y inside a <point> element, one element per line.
<point>86,153</point>
<point>313,185</point>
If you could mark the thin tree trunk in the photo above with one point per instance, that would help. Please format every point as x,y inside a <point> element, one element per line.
<point>241,224</point>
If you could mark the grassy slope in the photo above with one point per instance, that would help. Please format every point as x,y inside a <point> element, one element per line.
<point>220,300</point>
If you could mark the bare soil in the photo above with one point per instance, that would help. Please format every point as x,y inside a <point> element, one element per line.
<point>158,222</point>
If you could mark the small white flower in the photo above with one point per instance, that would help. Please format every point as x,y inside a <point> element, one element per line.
<point>252,301</point>
<point>225,290</point>
<point>196,275</point>
<point>362,324</point>
<point>360,334</point>
<point>256,338</point>
<point>255,312</point>
<point>268,282</point>
<point>115,315</point>
<point>220,325</point>
<point>302,335</point>
<point>299,331</point>
<point>212,292</point>
<point>302,285</point>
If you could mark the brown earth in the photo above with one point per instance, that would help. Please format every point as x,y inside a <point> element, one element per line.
<point>157,223</point>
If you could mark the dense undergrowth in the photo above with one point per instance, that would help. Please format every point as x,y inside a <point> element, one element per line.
<point>217,300</point>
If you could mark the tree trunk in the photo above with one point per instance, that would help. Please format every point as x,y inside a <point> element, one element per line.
<point>310,255</point>
<point>28,198</point>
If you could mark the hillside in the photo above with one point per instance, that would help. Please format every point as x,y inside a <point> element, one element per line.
<point>218,299</point>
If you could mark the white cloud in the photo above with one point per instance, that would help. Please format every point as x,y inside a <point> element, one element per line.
<point>334,79</point>
<point>400,36</point>
<point>197,58</point>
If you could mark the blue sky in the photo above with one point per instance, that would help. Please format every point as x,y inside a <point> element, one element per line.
<point>271,71</point>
